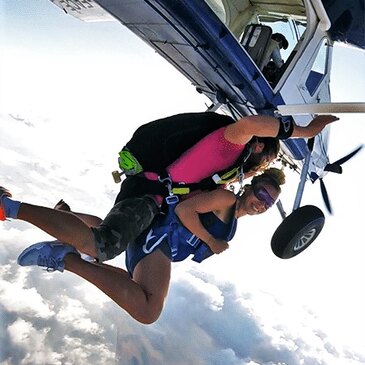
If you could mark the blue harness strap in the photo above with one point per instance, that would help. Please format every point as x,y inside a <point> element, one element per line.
<point>183,243</point>
<point>167,233</point>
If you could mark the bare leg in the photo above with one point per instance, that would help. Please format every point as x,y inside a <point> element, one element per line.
<point>90,220</point>
<point>143,296</point>
<point>65,226</point>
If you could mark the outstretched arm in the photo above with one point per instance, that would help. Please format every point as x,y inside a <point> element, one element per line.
<point>314,127</point>
<point>267,126</point>
<point>218,201</point>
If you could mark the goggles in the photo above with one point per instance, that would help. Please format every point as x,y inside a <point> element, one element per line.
<point>262,194</point>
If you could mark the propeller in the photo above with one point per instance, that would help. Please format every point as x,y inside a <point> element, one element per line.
<point>325,197</point>
<point>337,168</point>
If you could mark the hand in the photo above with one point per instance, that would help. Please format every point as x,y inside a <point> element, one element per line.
<point>318,124</point>
<point>218,246</point>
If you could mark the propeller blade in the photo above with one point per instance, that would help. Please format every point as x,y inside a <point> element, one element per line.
<point>347,157</point>
<point>333,167</point>
<point>325,196</point>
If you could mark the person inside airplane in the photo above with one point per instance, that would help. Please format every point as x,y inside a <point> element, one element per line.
<point>199,226</point>
<point>130,216</point>
<point>272,61</point>
<point>280,43</point>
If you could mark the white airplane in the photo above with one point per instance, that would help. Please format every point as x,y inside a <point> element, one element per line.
<point>254,57</point>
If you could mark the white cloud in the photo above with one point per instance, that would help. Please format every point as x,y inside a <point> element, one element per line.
<point>75,315</point>
<point>32,341</point>
<point>241,331</point>
<point>79,352</point>
<point>248,327</point>
<point>214,298</point>
<point>15,297</point>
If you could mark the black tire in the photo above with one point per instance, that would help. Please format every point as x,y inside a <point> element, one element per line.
<point>297,231</point>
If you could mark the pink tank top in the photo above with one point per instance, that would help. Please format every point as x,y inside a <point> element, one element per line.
<point>210,155</point>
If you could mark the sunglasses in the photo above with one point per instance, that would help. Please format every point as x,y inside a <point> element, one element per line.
<point>263,195</point>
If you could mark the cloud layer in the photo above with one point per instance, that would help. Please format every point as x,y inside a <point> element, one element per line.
<point>56,318</point>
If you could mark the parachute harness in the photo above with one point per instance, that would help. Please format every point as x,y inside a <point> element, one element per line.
<point>130,166</point>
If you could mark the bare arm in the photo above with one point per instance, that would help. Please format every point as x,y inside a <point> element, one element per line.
<point>267,126</point>
<point>254,125</point>
<point>314,127</point>
<point>188,212</point>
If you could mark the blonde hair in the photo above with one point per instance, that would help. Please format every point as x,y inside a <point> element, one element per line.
<point>273,176</point>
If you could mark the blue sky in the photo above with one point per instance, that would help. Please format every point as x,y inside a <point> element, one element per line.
<point>71,94</point>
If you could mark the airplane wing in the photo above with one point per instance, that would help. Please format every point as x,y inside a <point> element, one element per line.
<point>191,37</point>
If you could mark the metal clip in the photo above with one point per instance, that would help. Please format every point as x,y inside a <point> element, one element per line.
<point>241,177</point>
<point>168,183</point>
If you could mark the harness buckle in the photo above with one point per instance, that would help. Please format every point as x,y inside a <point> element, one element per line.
<point>193,240</point>
<point>172,199</point>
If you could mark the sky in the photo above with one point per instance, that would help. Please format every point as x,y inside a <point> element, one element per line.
<point>71,95</point>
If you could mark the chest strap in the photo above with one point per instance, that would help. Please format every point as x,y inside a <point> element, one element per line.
<point>208,183</point>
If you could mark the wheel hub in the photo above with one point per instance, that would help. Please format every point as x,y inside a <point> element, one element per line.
<point>305,240</point>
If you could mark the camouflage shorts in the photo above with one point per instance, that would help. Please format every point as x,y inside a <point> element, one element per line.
<point>123,224</point>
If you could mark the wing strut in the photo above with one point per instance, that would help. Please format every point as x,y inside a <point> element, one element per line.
<point>303,175</point>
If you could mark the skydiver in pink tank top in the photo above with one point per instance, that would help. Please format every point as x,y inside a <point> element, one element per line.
<point>130,217</point>
<point>218,154</point>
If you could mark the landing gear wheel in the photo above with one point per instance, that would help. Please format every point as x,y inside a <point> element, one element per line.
<point>297,231</point>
